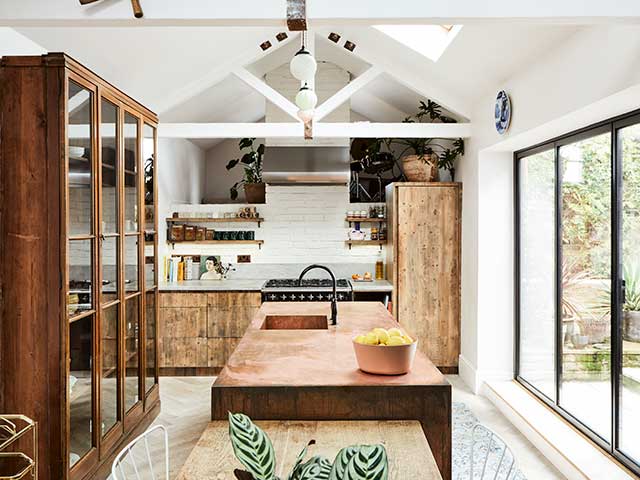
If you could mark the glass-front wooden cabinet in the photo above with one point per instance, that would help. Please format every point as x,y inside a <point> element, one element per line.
<point>83,199</point>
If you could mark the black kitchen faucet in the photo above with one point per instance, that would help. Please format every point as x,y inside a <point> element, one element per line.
<point>334,298</point>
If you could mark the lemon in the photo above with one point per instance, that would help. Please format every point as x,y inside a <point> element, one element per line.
<point>371,338</point>
<point>407,339</point>
<point>360,339</point>
<point>395,332</point>
<point>393,341</point>
<point>382,334</point>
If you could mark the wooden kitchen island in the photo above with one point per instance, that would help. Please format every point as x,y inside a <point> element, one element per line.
<point>305,374</point>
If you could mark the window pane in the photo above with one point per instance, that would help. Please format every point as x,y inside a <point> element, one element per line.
<point>109,268</point>
<point>150,327</point>
<point>80,273</point>
<point>586,282</point>
<point>130,173</point>
<point>629,442</point>
<point>109,379</point>
<point>537,271</point>
<point>149,156</point>
<point>131,263</point>
<point>80,160</point>
<point>109,168</point>
<point>149,260</point>
<point>80,387</point>
<point>132,353</point>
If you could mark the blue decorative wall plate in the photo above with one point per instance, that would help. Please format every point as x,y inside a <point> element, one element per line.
<point>502,112</point>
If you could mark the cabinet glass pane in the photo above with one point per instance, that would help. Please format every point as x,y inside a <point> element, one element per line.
<point>149,260</point>
<point>130,173</point>
<point>585,387</point>
<point>537,271</point>
<point>80,258</point>
<point>109,268</point>
<point>80,173</point>
<point>131,263</point>
<point>629,440</point>
<point>109,377</point>
<point>108,125</point>
<point>132,352</point>
<point>80,387</point>
<point>150,329</point>
<point>149,156</point>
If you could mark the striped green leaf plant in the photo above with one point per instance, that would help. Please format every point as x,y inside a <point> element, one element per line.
<point>253,448</point>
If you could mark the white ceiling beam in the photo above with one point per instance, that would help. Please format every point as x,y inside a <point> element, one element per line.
<point>346,92</point>
<point>219,73</point>
<point>374,54</point>
<point>320,130</point>
<point>268,92</point>
<point>36,13</point>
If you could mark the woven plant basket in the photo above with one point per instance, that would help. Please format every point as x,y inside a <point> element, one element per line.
<point>421,168</point>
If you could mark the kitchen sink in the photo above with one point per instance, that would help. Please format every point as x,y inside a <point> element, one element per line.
<point>295,322</point>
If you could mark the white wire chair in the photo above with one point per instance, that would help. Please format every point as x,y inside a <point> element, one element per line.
<point>134,461</point>
<point>492,454</point>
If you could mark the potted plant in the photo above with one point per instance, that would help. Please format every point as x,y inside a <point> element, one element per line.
<point>631,307</point>
<point>254,188</point>
<point>421,158</point>
<point>253,448</point>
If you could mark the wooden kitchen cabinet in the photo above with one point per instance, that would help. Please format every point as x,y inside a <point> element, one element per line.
<point>78,243</point>
<point>199,331</point>
<point>423,263</point>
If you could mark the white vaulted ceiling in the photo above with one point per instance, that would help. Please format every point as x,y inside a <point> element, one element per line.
<point>152,64</point>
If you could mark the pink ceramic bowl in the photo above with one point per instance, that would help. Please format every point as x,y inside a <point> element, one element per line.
<point>385,360</point>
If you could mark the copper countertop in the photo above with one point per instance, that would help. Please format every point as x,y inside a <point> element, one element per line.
<point>295,358</point>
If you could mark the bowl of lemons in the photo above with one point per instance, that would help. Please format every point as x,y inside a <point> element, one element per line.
<point>385,352</point>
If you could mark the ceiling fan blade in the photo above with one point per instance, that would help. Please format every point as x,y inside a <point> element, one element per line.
<point>87,2</point>
<point>137,9</point>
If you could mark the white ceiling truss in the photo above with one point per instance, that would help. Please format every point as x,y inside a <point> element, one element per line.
<point>379,65</point>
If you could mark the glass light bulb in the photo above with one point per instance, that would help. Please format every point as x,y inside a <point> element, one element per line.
<point>306,99</point>
<point>303,66</point>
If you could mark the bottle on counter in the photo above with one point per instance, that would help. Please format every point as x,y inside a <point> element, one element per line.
<point>379,270</point>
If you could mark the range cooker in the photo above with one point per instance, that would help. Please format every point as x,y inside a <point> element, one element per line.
<point>309,290</point>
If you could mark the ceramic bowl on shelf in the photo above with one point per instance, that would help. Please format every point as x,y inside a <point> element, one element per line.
<point>385,359</point>
<point>76,152</point>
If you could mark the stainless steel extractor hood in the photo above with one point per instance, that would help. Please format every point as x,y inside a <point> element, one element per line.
<point>306,165</point>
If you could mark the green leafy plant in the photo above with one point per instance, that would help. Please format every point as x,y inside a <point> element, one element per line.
<point>253,448</point>
<point>252,163</point>
<point>429,112</point>
<point>631,275</point>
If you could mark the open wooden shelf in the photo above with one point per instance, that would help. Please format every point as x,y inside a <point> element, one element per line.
<point>221,242</point>
<point>215,220</point>
<point>365,242</point>
<point>365,220</point>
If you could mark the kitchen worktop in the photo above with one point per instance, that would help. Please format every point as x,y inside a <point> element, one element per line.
<point>254,285</point>
<point>228,285</point>
<point>313,375</point>
<point>316,357</point>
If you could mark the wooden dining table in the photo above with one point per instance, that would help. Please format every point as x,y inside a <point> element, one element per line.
<point>407,448</point>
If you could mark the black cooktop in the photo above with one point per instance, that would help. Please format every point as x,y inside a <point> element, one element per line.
<point>306,283</point>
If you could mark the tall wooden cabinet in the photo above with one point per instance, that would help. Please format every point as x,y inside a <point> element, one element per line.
<point>78,262</point>
<point>423,263</point>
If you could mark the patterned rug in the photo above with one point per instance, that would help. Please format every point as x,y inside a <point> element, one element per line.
<point>463,421</point>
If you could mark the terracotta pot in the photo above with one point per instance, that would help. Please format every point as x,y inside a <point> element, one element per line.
<point>631,326</point>
<point>421,168</point>
<point>254,192</point>
<point>385,360</point>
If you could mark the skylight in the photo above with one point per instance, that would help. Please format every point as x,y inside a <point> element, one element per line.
<point>428,40</point>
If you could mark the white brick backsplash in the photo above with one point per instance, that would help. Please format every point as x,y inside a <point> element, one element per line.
<point>301,225</point>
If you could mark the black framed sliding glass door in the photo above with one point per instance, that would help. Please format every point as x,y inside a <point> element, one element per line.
<point>578,280</point>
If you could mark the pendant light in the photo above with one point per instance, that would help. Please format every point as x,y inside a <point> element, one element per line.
<point>306,99</point>
<point>303,66</point>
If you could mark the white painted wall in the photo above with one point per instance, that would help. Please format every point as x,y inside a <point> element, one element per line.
<point>302,224</point>
<point>181,178</point>
<point>594,75</point>
<point>14,43</point>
